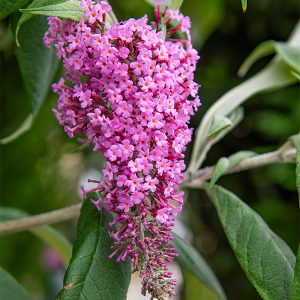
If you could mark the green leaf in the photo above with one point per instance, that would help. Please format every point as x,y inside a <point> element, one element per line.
<point>218,123</point>
<point>91,274</point>
<point>296,280</point>
<point>235,118</point>
<point>277,74</point>
<point>11,289</point>
<point>25,17</point>
<point>38,63</point>
<point>24,127</point>
<point>244,5</point>
<point>8,7</point>
<point>46,233</point>
<point>68,9</point>
<point>190,260</point>
<point>289,54</point>
<point>225,164</point>
<point>221,167</point>
<point>296,141</point>
<point>265,258</point>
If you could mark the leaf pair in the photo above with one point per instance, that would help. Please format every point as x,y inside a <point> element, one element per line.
<point>280,72</point>
<point>265,258</point>
<point>38,64</point>
<point>91,275</point>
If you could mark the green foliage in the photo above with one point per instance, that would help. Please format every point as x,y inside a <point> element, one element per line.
<point>218,123</point>
<point>38,63</point>
<point>45,233</point>
<point>289,54</point>
<point>275,75</point>
<point>38,66</point>
<point>8,7</point>
<point>91,274</point>
<point>10,288</point>
<point>265,258</point>
<point>190,260</point>
<point>25,17</point>
<point>296,141</point>
<point>67,9</point>
<point>221,167</point>
<point>244,5</point>
<point>225,164</point>
<point>296,280</point>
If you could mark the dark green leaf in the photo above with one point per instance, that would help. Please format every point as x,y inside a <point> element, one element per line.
<point>190,260</point>
<point>35,5</point>
<point>46,233</point>
<point>265,258</point>
<point>10,288</point>
<point>8,7</point>
<point>91,274</point>
<point>68,9</point>
<point>38,63</point>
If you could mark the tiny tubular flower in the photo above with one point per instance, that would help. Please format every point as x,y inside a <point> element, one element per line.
<point>131,92</point>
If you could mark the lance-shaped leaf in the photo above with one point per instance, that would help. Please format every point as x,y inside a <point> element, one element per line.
<point>217,134</point>
<point>265,258</point>
<point>277,74</point>
<point>296,280</point>
<point>67,9</point>
<point>11,289</point>
<point>91,274</point>
<point>25,17</point>
<point>190,260</point>
<point>289,54</point>
<point>38,65</point>
<point>224,164</point>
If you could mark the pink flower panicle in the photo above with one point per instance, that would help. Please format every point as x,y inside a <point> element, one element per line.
<point>131,92</point>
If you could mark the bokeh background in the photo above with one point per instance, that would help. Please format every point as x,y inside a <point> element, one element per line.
<point>42,170</point>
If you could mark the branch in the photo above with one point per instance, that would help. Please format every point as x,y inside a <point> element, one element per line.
<point>283,155</point>
<point>51,217</point>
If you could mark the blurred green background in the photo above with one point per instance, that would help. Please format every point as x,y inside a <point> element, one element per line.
<point>40,171</point>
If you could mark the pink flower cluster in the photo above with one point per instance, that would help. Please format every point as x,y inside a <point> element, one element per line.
<point>129,89</point>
